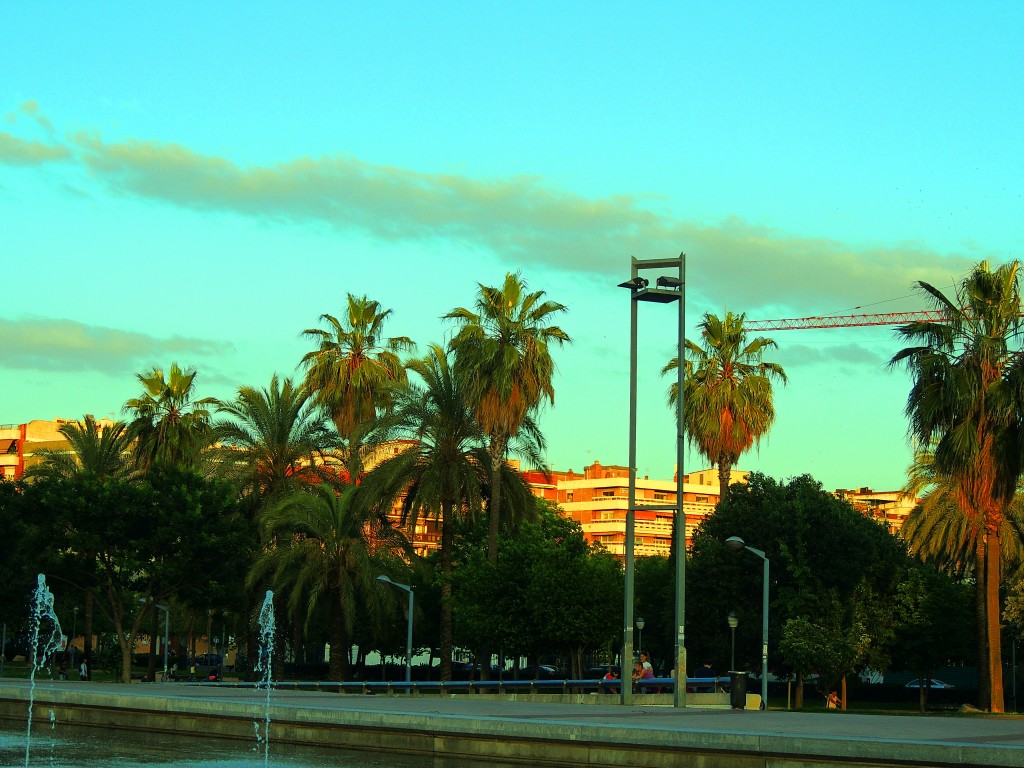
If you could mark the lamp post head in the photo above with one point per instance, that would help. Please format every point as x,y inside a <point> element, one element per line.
<point>640,623</point>
<point>733,619</point>
<point>385,578</point>
<point>735,543</point>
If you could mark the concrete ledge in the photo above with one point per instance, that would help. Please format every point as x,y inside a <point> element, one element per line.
<point>487,729</point>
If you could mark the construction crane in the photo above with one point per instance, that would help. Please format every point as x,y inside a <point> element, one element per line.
<point>845,321</point>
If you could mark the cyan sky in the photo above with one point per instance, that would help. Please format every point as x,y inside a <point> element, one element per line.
<point>198,186</point>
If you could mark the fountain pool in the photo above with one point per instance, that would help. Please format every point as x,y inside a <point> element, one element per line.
<point>99,748</point>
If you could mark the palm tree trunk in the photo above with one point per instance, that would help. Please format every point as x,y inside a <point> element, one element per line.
<point>90,603</point>
<point>980,596</point>
<point>447,537</point>
<point>339,646</point>
<point>724,478</point>
<point>497,451</point>
<point>995,650</point>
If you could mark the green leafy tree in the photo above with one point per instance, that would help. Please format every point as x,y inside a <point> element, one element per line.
<point>503,357</point>
<point>101,451</point>
<point>550,591</point>
<point>172,534</point>
<point>330,546</point>
<point>936,622</point>
<point>967,399</point>
<point>169,424</point>
<point>727,389</point>
<point>829,564</point>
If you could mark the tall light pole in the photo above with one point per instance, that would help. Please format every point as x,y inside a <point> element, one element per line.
<point>74,625</point>
<point>640,634</point>
<point>408,631</point>
<point>668,289</point>
<point>734,622</point>
<point>736,543</point>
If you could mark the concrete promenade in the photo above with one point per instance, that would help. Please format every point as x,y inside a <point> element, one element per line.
<point>485,730</point>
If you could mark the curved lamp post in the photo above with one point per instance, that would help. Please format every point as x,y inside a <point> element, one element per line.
<point>408,633</point>
<point>736,543</point>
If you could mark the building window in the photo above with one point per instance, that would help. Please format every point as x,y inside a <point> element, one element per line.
<point>568,496</point>
<point>702,499</point>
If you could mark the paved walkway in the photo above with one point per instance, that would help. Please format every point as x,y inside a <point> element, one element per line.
<point>777,736</point>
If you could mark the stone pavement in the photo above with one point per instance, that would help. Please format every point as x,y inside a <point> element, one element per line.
<point>489,729</point>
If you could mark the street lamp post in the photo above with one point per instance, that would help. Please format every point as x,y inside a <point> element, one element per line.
<point>408,631</point>
<point>734,622</point>
<point>736,543</point>
<point>167,628</point>
<point>640,634</point>
<point>167,633</point>
<point>74,625</point>
<point>668,289</point>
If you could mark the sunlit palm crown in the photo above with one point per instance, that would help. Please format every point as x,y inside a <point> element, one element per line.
<point>91,449</point>
<point>727,389</point>
<point>168,424</point>
<point>941,532</point>
<point>271,437</point>
<point>968,392</point>
<point>354,368</point>
<point>502,353</point>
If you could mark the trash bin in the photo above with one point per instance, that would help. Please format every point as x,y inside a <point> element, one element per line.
<point>738,689</point>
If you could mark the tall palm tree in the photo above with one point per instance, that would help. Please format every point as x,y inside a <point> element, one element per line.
<point>354,370</point>
<point>503,358</point>
<point>446,471</point>
<point>939,531</point>
<point>92,449</point>
<point>728,392</point>
<point>330,547</point>
<point>968,397</point>
<point>169,425</point>
<point>272,440</point>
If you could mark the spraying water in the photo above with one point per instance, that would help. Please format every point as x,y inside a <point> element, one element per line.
<point>45,638</point>
<point>264,665</point>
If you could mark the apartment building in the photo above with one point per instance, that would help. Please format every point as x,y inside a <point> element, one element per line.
<point>599,498</point>
<point>888,507</point>
<point>20,444</point>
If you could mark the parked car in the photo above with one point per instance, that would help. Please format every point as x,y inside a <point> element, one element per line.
<point>541,672</point>
<point>936,685</point>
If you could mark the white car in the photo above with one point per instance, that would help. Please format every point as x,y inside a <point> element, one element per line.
<point>935,684</point>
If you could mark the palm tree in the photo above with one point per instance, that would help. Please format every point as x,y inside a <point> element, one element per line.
<point>92,449</point>
<point>968,397</point>
<point>727,390</point>
<point>330,547</point>
<point>168,424</point>
<point>445,472</point>
<point>354,370</point>
<point>503,360</point>
<point>271,440</point>
<point>938,531</point>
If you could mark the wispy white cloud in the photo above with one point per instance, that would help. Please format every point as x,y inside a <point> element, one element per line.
<point>15,151</point>
<point>66,345</point>
<point>521,219</point>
